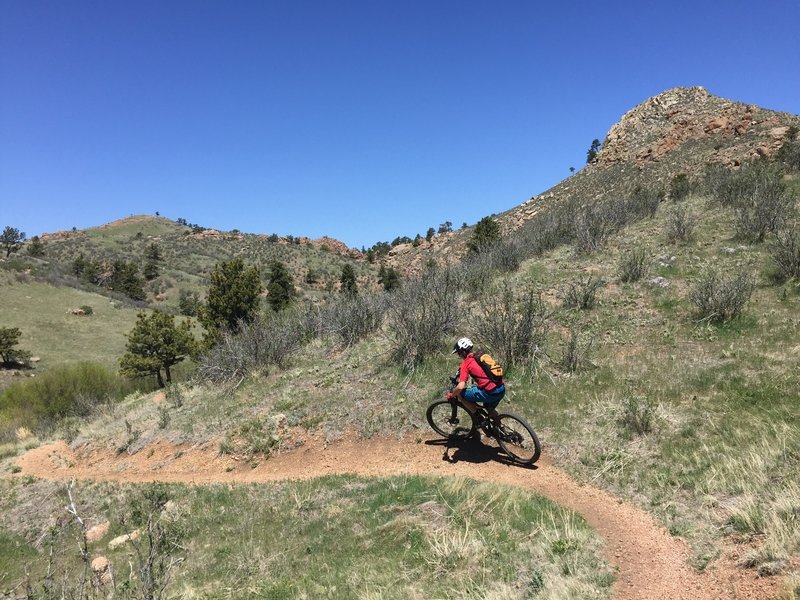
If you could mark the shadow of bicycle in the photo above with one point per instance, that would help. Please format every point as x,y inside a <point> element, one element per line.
<point>475,450</point>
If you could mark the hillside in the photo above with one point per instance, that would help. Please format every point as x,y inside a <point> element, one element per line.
<point>189,253</point>
<point>596,300</point>
<point>682,130</point>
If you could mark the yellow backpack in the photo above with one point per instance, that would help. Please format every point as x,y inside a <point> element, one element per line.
<point>490,366</point>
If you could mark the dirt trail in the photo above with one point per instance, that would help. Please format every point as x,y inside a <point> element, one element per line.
<point>650,563</point>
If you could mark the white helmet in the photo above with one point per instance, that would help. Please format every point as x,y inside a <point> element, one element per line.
<point>464,344</point>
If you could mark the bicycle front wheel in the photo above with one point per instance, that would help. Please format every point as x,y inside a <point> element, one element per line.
<point>518,439</point>
<point>453,421</point>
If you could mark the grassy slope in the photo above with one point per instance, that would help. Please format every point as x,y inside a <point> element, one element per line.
<point>698,423</point>
<point>395,538</point>
<point>41,312</point>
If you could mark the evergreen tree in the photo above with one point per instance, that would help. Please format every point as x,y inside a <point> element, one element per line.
<point>280,286</point>
<point>232,297</point>
<point>486,233</point>
<point>152,256</point>
<point>36,247</point>
<point>79,265</point>
<point>188,303</point>
<point>349,287</point>
<point>591,154</point>
<point>154,344</point>
<point>125,278</point>
<point>11,239</point>
<point>9,355</point>
<point>430,234</point>
<point>445,227</point>
<point>389,278</point>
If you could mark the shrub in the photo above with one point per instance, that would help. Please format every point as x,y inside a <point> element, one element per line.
<point>721,299</point>
<point>766,210</point>
<point>633,265</point>
<point>680,187</point>
<point>514,327</point>
<point>680,225</point>
<point>547,230</point>
<point>638,414</point>
<point>642,203</point>
<point>785,252</point>
<point>422,313</point>
<point>87,310</point>
<point>582,294</point>
<point>268,340</point>
<point>350,320</point>
<point>73,390</point>
<point>735,188</point>
<point>592,227</point>
<point>481,268</point>
<point>575,352</point>
<point>789,154</point>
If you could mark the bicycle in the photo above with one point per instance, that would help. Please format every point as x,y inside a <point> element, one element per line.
<point>515,437</point>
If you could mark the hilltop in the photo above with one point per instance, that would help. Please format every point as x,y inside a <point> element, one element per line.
<point>683,130</point>
<point>189,252</point>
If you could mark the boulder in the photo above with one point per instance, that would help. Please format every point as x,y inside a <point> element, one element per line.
<point>98,532</point>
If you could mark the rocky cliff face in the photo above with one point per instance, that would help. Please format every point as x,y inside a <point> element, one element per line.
<point>663,125</point>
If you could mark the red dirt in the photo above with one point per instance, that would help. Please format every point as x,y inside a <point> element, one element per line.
<point>649,563</point>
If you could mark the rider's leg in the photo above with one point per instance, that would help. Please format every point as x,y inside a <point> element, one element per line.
<point>466,396</point>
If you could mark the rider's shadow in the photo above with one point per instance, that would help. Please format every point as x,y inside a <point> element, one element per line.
<point>473,450</point>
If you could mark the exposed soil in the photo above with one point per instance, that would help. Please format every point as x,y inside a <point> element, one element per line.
<point>650,564</point>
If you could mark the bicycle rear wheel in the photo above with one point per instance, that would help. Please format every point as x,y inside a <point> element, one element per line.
<point>452,421</point>
<point>518,439</point>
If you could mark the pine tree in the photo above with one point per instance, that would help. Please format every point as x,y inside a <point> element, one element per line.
<point>154,344</point>
<point>349,287</point>
<point>389,278</point>
<point>125,278</point>
<point>36,247</point>
<point>11,239</point>
<point>9,355</point>
<point>232,297</point>
<point>280,286</point>
<point>486,233</point>
<point>591,154</point>
<point>152,256</point>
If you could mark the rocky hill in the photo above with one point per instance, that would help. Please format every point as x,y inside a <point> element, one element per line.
<point>682,130</point>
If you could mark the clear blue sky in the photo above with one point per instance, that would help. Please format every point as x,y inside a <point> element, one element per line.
<point>363,120</point>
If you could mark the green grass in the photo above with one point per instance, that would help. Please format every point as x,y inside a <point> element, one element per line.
<point>344,537</point>
<point>15,554</point>
<point>41,312</point>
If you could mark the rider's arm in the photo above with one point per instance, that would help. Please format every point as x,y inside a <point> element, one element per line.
<point>463,375</point>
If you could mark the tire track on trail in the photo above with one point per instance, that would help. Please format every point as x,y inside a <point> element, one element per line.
<point>650,564</point>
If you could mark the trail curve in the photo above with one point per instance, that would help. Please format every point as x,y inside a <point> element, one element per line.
<point>650,564</point>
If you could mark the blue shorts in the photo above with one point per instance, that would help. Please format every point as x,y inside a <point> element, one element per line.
<point>488,399</point>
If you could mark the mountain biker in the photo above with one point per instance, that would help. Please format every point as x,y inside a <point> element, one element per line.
<point>485,391</point>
